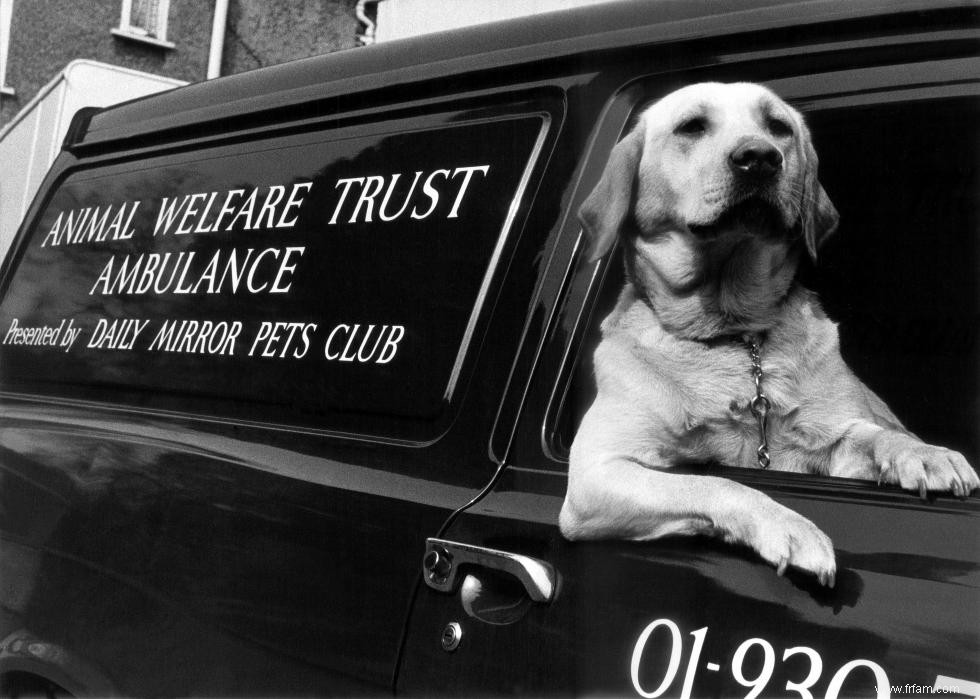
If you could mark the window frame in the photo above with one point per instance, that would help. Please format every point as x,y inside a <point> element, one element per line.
<point>6,20</point>
<point>408,431</point>
<point>128,30</point>
<point>867,87</point>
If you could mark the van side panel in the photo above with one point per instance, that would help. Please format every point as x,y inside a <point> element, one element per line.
<point>192,564</point>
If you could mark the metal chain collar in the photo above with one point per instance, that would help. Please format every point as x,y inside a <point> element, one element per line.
<point>760,405</point>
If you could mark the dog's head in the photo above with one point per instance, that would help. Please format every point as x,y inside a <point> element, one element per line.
<point>710,159</point>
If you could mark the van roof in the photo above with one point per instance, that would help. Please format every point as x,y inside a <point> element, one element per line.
<point>581,32</point>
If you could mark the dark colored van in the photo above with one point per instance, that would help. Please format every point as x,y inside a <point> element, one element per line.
<point>290,363</point>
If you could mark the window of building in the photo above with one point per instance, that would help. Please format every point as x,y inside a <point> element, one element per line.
<point>144,20</point>
<point>6,14</point>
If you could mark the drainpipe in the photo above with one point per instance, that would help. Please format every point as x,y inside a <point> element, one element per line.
<point>366,38</point>
<point>217,38</point>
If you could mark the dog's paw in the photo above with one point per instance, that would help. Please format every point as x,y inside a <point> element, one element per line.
<point>915,465</point>
<point>784,539</point>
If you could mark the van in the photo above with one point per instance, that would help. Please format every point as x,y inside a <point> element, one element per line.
<point>290,363</point>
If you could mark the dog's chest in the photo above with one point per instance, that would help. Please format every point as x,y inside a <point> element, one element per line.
<point>718,389</point>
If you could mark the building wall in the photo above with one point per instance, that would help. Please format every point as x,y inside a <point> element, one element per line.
<point>402,18</point>
<point>46,35</point>
<point>54,44</point>
<point>263,33</point>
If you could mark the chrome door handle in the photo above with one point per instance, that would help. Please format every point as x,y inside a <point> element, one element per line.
<point>443,560</point>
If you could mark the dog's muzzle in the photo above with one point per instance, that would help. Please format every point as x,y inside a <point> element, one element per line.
<point>756,166</point>
<point>753,214</point>
<point>755,159</point>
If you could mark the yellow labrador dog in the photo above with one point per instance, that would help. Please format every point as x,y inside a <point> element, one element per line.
<point>713,353</point>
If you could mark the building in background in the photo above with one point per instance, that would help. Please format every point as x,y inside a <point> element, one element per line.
<point>397,19</point>
<point>57,56</point>
<point>167,38</point>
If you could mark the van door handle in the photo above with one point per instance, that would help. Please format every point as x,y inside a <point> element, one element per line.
<point>443,560</point>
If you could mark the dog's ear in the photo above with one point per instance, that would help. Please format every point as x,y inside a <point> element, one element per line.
<point>603,212</point>
<point>818,214</point>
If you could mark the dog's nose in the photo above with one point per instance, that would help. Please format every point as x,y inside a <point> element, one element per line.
<point>756,158</point>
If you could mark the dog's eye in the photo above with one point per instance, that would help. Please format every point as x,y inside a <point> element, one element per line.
<point>694,126</point>
<point>778,127</point>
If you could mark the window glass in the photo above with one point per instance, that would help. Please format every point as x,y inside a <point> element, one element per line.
<point>900,275</point>
<point>146,17</point>
<point>283,280</point>
<point>6,13</point>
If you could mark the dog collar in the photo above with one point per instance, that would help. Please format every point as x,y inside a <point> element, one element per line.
<point>760,404</point>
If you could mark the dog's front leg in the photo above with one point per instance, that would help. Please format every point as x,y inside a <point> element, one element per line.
<point>612,495</point>
<point>874,445</point>
<point>870,450</point>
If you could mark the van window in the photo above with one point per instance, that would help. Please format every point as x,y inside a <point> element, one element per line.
<point>284,280</point>
<point>899,275</point>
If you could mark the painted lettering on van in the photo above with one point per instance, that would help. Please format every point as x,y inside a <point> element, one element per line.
<point>272,207</point>
<point>228,271</point>
<point>121,333</point>
<point>197,337</point>
<point>263,208</point>
<point>92,224</point>
<point>278,339</point>
<point>363,344</point>
<point>61,335</point>
<point>359,207</point>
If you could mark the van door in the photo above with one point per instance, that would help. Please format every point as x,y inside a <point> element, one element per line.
<point>528,612</point>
